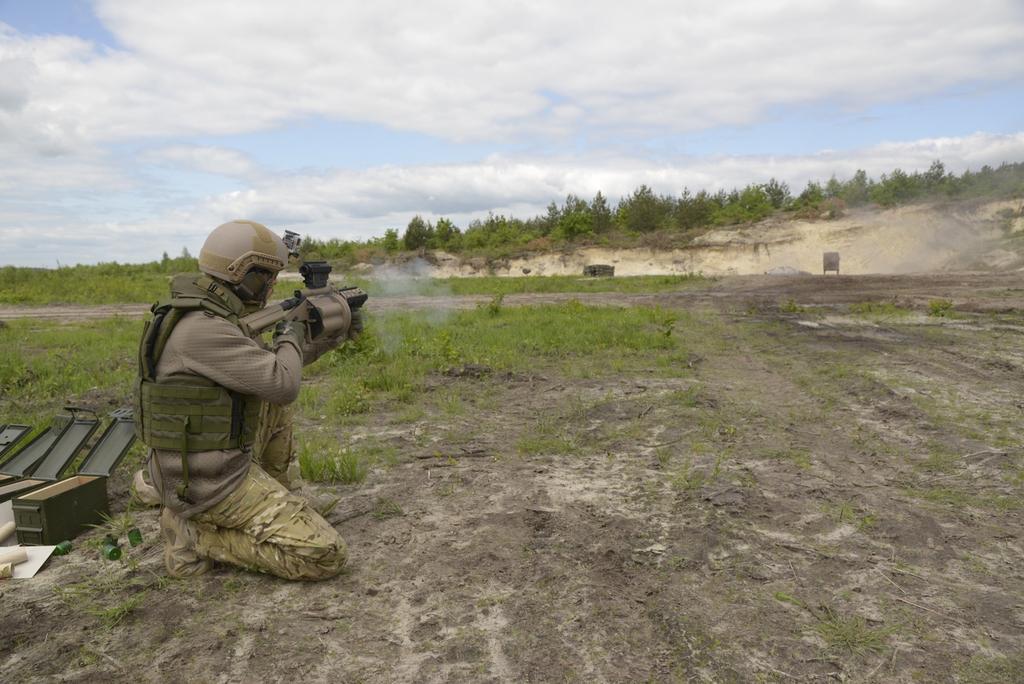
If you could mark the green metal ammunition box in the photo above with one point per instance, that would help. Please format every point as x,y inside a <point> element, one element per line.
<point>10,435</point>
<point>16,488</point>
<point>112,445</point>
<point>73,433</point>
<point>52,512</point>
<point>61,510</point>
<point>22,463</point>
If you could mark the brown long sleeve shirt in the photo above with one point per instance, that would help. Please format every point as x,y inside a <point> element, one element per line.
<point>211,347</point>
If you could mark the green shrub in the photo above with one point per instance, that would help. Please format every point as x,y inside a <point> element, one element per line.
<point>942,308</point>
<point>790,306</point>
<point>753,204</point>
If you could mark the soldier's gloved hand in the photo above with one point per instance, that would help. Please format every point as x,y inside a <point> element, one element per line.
<point>293,332</point>
<point>313,350</point>
<point>357,324</point>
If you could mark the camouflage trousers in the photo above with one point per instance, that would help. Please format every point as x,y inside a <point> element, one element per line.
<point>274,447</point>
<point>261,526</point>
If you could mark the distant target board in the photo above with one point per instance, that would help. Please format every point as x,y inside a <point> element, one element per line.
<point>830,262</point>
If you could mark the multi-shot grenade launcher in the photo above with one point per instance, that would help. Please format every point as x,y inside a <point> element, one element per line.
<point>326,311</point>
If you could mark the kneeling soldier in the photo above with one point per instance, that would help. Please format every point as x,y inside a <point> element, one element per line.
<point>212,405</point>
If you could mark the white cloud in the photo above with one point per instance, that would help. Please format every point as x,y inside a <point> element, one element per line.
<point>469,70</point>
<point>216,160</point>
<point>361,197</point>
<point>361,204</point>
<point>27,174</point>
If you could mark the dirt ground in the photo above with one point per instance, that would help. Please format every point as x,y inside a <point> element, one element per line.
<point>821,497</point>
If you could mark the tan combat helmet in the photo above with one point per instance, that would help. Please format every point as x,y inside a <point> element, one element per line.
<point>235,248</point>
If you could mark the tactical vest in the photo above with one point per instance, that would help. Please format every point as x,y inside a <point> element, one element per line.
<point>190,413</point>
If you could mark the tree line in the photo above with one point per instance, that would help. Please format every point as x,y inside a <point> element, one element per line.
<point>577,220</point>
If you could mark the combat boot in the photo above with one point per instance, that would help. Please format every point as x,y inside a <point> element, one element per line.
<point>180,555</point>
<point>293,476</point>
<point>142,493</point>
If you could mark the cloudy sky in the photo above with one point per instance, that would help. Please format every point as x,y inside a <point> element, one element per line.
<point>131,127</point>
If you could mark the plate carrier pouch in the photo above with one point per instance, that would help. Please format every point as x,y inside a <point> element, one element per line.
<point>190,413</point>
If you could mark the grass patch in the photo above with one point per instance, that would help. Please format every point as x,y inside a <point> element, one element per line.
<point>850,635</point>
<point>386,508</point>
<point>841,512</point>
<point>691,397</point>
<point>499,286</point>
<point>113,614</point>
<point>322,461</point>
<point>878,310</point>
<point>716,428</point>
<point>944,495</point>
<point>846,512</point>
<point>118,525</point>
<point>397,354</point>
<point>145,283</point>
<point>939,461</point>
<point>546,438</point>
<point>108,597</point>
<point>100,284</point>
<point>687,478</point>
<point>45,365</point>
<point>801,458</point>
<point>841,634</point>
<point>451,404</point>
<point>348,400</point>
<point>398,367</point>
<point>999,669</point>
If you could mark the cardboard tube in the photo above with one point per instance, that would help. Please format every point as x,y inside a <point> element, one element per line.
<point>6,530</point>
<point>14,556</point>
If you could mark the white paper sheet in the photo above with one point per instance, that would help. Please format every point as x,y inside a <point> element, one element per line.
<point>37,555</point>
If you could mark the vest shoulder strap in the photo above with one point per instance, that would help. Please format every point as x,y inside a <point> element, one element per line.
<point>188,293</point>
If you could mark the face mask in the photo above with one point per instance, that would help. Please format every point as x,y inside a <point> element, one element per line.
<point>256,286</point>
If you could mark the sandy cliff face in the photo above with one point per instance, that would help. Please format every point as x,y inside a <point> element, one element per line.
<point>903,240</point>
